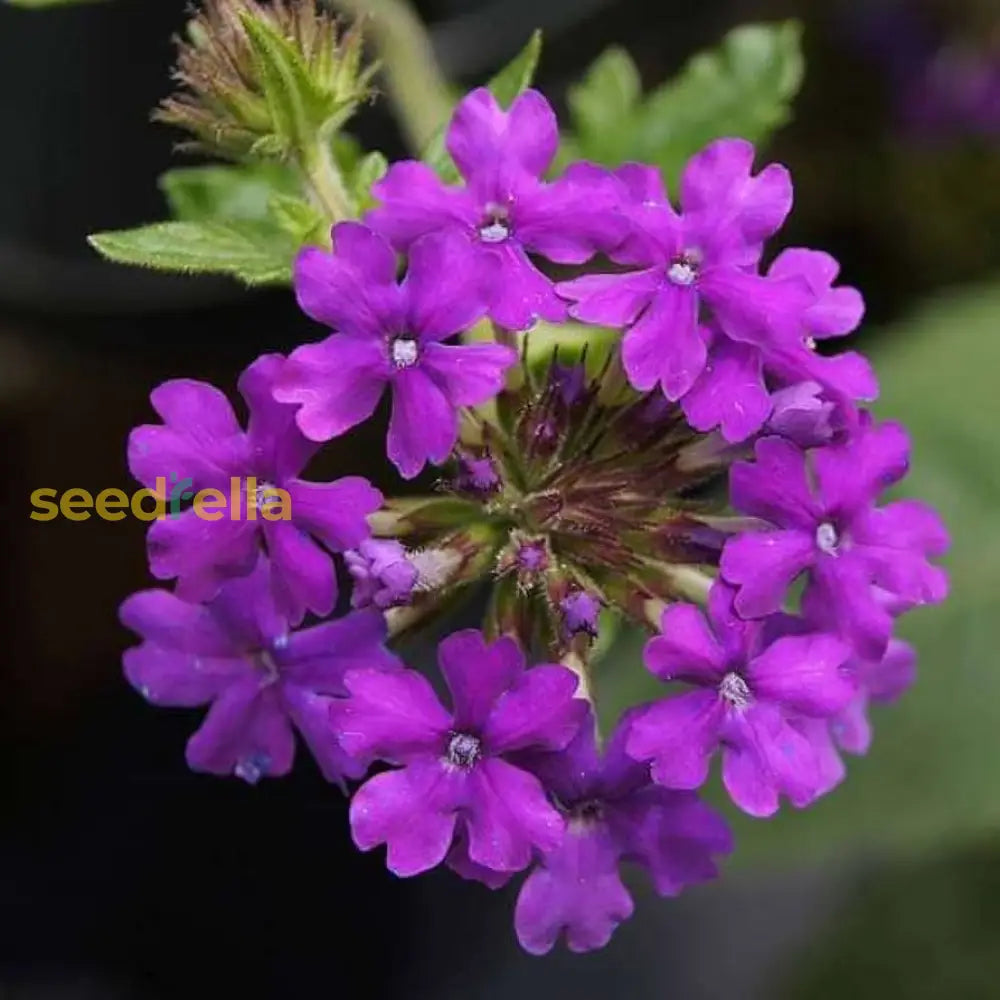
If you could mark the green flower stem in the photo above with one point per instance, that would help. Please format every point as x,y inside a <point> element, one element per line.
<point>417,87</point>
<point>326,186</point>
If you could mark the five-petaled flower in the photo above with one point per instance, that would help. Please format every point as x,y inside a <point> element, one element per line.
<point>833,532</point>
<point>456,774</point>
<point>393,335</point>
<point>755,688</point>
<point>505,211</point>
<point>200,439</point>
<point>261,679</point>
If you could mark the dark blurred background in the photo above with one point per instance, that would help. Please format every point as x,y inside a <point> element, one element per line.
<point>123,875</point>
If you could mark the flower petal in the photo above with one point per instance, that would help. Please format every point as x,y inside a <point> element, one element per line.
<point>302,574</point>
<point>336,513</point>
<point>165,620</point>
<point>763,757</point>
<point>337,383</point>
<point>840,597</point>
<point>538,710</point>
<point>393,715</point>
<point>804,674</point>
<point>576,889</point>
<point>521,293</point>
<point>852,474</point>
<point>468,374</point>
<point>445,286</point>
<point>352,290</point>
<point>729,393</point>
<point>423,426</point>
<point>763,564</point>
<point>279,448</point>
<point>507,816</point>
<point>317,658</point>
<point>245,733</point>
<point>478,673</point>
<point>774,487</point>
<point>679,735</point>
<point>664,346</point>
<point>717,183</point>
<point>412,812</point>
<point>164,676</point>
<point>202,554</point>
<point>686,650</point>
<point>611,299</point>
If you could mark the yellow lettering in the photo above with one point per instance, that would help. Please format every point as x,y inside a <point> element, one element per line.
<point>45,507</point>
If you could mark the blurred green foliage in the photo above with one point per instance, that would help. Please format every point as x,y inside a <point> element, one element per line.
<point>742,88</point>
<point>921,932</point>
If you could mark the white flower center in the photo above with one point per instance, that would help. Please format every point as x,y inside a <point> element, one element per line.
<point>404,352</point>
<point>464,750</point>
<point>494,232</point>
<point>684,269</point>
<point>682,273</point>
<point>734,690</point>
<point>827,539</point>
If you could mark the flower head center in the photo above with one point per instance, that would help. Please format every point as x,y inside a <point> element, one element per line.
<point>584,815</point>
<point>733,689</point>
<point>265,664</point>
<point>684,268</point>
<point>464,750</point>
<point>496,226</point>
<point>827,538</point>
<point>404,351</point>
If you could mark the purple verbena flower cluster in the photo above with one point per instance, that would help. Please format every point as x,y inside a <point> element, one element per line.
<point>579,485</point>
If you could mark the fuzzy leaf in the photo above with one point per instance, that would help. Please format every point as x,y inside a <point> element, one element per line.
<point>199,194</point>
<point>256,253</point>
<point>369,169</point>
<point>298,217</point>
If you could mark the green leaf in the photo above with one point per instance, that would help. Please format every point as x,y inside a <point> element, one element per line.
<point>743,88</point>
<point>516,76</point>
<point>604,103</point>
<point>298,217</point>
<point>256,253</point>
<point>511,81</point>
<point>199,194</point>
<point>369,169</point>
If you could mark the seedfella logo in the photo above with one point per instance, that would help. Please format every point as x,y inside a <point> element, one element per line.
<point>247,498</point>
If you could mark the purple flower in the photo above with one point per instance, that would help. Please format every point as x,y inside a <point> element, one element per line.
<point>383,575</point>
<point>755,694</point>
<point>477,474</point>
<point>880,681</point>
<point>454,774</point>
<point>802,414</point>
<point>833,532</point>
<point>614,814</point>
<point>580,612</point>
<point>262,681</point>
<point>505,211</point>
<point>391,335</point>
<point>201,443</point>
<point>707,256</point>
